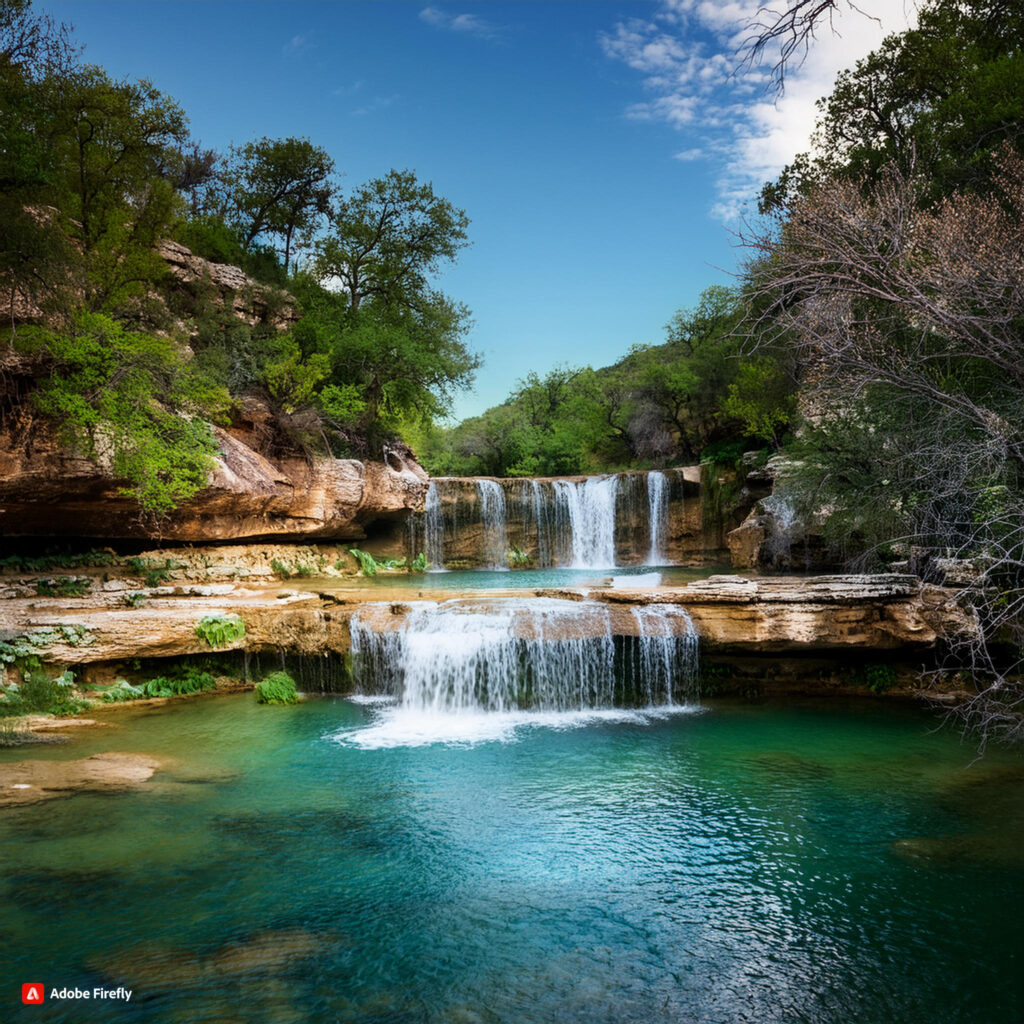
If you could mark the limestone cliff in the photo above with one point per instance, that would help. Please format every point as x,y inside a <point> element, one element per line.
<point>47,490</point>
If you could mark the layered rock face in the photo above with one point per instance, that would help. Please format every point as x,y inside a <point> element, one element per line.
<point>627,518</point>
<point>46,490</point>
<point>835,616</point>
<point>245,299</point>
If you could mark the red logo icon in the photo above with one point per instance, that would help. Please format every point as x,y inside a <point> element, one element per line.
<point>32,992</point>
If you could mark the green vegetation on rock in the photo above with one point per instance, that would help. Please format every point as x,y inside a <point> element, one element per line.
<point>277,688</point>
<point>218,630</point>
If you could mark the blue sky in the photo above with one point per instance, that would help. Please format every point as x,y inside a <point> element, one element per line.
<point>600,147</point>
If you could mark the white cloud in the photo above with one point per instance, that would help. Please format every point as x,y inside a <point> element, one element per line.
<point>348,90</point>
<point>297,43</point>
<point>377,103</point>
<point>688,54</point>
<point>467,24</point>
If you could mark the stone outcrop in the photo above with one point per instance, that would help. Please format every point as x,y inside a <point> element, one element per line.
<point>833,615</point>
<point>746,542</point>
<point>230,287</point>
<point>816,614</point>
<point>224,285</point>
<point>46,490</point>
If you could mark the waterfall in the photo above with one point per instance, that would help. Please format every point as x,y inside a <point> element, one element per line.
<point>433,529</point>
<point>589,509</point>
<point>596,522</point>
<point>492,515</point>
<point>545,541</point>
<point>508,654</point>
<point>783,525</point>
<point>665,657</point>
<point>657,500</point>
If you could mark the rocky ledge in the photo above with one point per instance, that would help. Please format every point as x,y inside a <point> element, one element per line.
<point>830,615</point>
<point>49,491</point>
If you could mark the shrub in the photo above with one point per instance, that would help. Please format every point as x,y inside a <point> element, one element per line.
<point>154,575</point>
<point>122,691</point>
<point>65,586</point>
<point>47,563</point>
<point>277,688</point>
<point>367,564</point>
<point>419,563</point>
<point>879,678</point>
<point>128,397</point>
<point>42,694</point>
<point>218,630</point>
<point>190,680</point>
<point>517,558</point>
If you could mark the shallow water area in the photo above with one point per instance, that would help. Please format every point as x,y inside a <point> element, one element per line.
<point>751,862</point>
<point>518,579</point>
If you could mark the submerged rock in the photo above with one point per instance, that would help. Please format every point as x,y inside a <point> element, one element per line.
<point>29,782</point>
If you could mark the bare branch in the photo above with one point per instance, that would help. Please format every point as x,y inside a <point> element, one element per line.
<point>792,27</point>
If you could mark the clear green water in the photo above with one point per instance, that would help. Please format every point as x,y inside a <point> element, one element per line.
<point>820,863</point>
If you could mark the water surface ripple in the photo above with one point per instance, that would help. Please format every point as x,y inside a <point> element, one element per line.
<point>806,863</point>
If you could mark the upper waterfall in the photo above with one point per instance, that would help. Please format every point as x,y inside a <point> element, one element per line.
<point>597,522</point>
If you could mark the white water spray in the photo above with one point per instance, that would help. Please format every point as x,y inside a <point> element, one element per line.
<point>513,654</point>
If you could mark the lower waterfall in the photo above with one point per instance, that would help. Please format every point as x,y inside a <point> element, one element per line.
<point>512,654</point>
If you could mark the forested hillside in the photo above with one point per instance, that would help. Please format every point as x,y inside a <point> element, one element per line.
<point>101,340</point>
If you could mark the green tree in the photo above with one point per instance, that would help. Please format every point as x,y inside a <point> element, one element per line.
<point>687,379</point>
<point>944,97</point>
<point>762,398</point>
<point>112,141</point>
<point>277,187</point>
<point>34,254</point>
<point>127,400</point>
<point>388,238</point>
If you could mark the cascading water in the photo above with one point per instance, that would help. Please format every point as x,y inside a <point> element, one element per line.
<point>597,522</point>
<point>657,501</point>
<point>492,515</point>
<point>589,508</point>
<point>512,654</point>
<point>433,529</point>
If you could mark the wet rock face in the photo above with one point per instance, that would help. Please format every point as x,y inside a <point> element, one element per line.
<point>46,490</point>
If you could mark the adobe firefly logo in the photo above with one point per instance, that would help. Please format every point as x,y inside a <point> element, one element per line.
<point>32,992</point>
